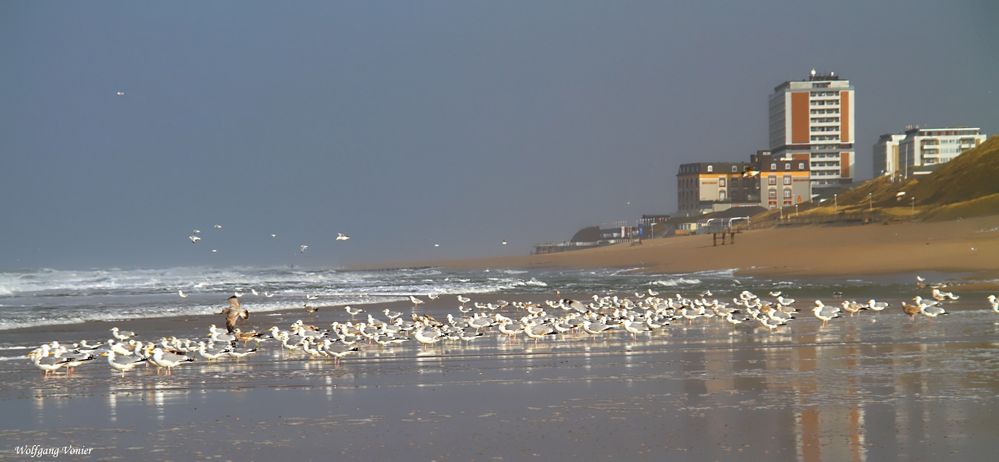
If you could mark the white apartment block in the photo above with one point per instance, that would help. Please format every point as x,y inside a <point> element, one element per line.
<point>923,148</point>
<point>815,116</point>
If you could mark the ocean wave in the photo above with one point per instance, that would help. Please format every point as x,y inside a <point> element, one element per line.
<point>675,282</point>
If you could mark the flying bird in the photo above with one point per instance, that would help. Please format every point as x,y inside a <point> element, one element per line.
<point>342,237</point>
<point>301,248</point>
<point>504,242</point>
<point>215,251</point>
<point>217,226</point>
<point>194,238</point>
<point>120,93</point>
<point>273,235</point>
<point>233,313</point>
<point>181,293</point>
<point>436,245</point>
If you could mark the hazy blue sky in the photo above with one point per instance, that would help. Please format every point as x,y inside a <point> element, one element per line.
<point>408,123</point>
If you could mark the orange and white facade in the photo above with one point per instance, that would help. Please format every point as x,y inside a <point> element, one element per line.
<point>815,117</point>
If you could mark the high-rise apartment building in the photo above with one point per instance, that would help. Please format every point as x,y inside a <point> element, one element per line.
<point>815,116</point>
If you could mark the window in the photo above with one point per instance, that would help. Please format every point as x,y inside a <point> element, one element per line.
<point>772,194</point>
<point>773,166</point>
<point>772,180</point>
<point>721,182</point>
<point>735,169</point>
<point>787,193</point>
<point>721,195</point>
<point>801,165</point>
<point>787,179</point>
<point>710,168</point>
<point>787,166</point>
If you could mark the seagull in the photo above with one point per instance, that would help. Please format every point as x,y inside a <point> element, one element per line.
<point>825,313</point>
<point>124,364</point>
<point>994,302</point>
<point>352,311</point>
<point>120,93</point>
<point>311,297</point>
<point>194,238</point>
<point>415,301</point>
<point>273,236</point>
<point>168,360</point>
<point>268,294</point>
<point>215,251</point>
<point>196,231</point>
<point>920,282</point>
<point>217,227</point>
<point>342,237</point>
<point>436,245</point>
<point>876,306</point>
<point>301,248</point>
<point>42,360</point>
<point>391,314</point>
<point>121,335</point>
<point>233,313</point>
<point>910,309</point>
<point>311,309</point>
<point>432,296</point>
<point>504,242</point>
<point>463,299</point>
<point>181,293</point>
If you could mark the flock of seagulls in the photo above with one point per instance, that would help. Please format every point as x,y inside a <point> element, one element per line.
<point>644,314</point>
<point>195,237</point>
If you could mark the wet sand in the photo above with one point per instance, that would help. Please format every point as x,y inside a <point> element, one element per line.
<point>970,245</point>
<point>876,386</point>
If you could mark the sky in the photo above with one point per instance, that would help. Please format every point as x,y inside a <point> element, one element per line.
<point>404,124</point>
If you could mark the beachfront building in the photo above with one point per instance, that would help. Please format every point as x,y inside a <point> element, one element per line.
<point>783,181</point>
<point>706,187</point>
<point>886,154</point>
<point>815,117</point>
<point>923,149</point>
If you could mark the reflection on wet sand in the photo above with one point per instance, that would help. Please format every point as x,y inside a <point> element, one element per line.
<point>854,390</point>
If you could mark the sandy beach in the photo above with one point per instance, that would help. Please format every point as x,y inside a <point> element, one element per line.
<point>872,387</point>
<point>969,246</point>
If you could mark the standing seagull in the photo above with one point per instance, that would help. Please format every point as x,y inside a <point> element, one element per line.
<point>416,301</point>
<point>994,302</point>
<point>233,313</point>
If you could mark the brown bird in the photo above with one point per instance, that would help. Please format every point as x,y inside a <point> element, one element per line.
<point>311,309</point>
<point>247,336</point>
<point>233,313</point>
<point>852,307</point>
<point>911,310</point>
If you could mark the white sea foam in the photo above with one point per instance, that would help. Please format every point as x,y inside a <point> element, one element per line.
<point>675,282</point>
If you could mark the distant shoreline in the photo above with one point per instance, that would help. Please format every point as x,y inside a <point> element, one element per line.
<point>960,246</point>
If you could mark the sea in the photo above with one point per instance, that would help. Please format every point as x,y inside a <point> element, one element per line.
<point>42,297</point>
